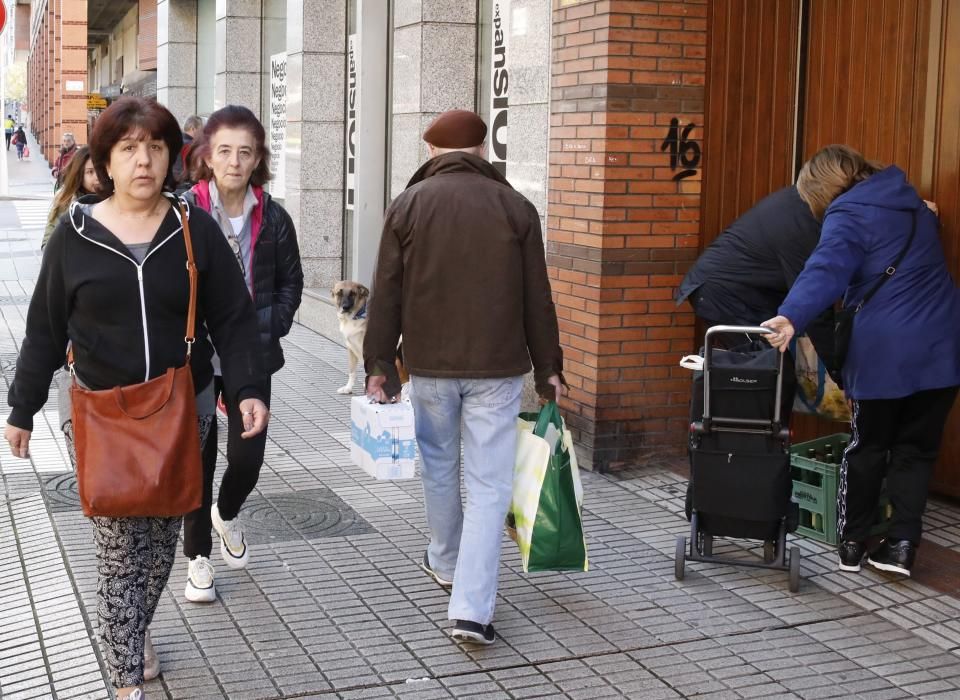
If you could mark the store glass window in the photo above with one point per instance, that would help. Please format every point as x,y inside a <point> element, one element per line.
<point>206,55</point>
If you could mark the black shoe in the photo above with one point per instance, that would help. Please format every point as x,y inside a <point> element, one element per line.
<point>425,565</point>
<point>851,555</point>
<point>895,556</point>
<point>473,632</point>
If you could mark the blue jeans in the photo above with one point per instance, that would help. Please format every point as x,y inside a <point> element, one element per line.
<point>465,541</point>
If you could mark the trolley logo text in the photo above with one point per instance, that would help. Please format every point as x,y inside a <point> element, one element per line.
<point>741,380</point>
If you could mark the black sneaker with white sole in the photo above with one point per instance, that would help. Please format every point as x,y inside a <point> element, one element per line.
<point>851,555</point>
<point>425,565</point>
<point>468,631</point>
<point>894,556</point>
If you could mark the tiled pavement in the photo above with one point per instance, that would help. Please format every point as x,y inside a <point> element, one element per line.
<point>333,605</point>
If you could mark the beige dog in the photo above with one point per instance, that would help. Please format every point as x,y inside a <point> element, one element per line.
<point>351,300</point>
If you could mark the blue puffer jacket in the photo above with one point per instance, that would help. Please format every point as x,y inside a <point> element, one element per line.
<point>907,337</point>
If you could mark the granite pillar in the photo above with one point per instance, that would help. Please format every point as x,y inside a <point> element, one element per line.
<point>434,69</point>
<point>176,56</point>
<point>316,45</point>
<point>238,72</point>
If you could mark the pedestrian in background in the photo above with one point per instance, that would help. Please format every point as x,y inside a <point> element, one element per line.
<point>79,179</point>
<point>20,140</point>
<point>232,166</point>
<point>108,284</point>
<point>192,130</point>
<point>68,148</point>
<point>902,369</point>
<point>8,125</point>
<point>462,275</point>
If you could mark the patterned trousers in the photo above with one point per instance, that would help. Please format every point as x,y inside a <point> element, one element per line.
<point>134,559</point>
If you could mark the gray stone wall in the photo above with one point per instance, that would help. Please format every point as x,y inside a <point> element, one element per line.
<point>176,56</point>
<point>238,54</point>
<point>315,134</point>
<point>434,69</point>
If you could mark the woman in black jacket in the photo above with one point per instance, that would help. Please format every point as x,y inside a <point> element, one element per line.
<point>231,162</point>
<point>113,283</point>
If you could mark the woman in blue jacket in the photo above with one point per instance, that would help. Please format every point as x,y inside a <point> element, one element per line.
<point>902,370</point>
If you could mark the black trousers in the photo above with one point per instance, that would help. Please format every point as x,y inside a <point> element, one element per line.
<point>898,439</point>
<point>244,459</point>
<point>8,136</point>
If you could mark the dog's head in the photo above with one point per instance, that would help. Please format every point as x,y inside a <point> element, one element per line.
<point>350,297</point>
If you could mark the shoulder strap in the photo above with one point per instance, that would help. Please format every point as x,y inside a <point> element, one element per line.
<point>190,336</point>
<point>890,271</point>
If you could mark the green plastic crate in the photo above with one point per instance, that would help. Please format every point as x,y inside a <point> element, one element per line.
<point>815,489</point>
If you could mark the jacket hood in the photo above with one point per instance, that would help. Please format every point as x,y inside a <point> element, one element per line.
<point>888,189</point>
<point>457,162</point>
<point>100,235</point>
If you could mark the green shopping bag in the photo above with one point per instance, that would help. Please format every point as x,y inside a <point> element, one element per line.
<point>547,495</point>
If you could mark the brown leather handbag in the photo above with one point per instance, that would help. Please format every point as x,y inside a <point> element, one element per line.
<point>138,446</point>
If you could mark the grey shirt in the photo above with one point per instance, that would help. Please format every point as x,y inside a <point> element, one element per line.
<point>244,238</point>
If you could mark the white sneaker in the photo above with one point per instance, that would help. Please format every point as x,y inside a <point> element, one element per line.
<point>151,664</point>
<point>137,694</point>
<point>200,588</point>
<point>233,547</point>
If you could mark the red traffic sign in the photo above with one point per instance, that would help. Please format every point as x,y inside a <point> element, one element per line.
<point>3,15</point>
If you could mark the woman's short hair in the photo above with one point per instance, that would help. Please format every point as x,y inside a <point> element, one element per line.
<point>830,172</point>
<point>133,115</point>
<point>193,122</point>
<point>232,117</point>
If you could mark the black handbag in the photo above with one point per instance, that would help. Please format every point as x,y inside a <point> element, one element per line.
<point>843,329</point>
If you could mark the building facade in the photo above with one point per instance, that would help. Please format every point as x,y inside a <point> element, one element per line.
<point>82,54</point>
<point>638,128</point>
<point>57,72</point>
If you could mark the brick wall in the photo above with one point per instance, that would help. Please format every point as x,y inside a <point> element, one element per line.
<point>623,217</point>
<point>58,60</point>
<point>73,69</point>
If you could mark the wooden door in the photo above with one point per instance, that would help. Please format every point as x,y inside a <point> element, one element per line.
<point>940,182</point>
<point>879,75</point>
<point>866,70</point>
<point>749,132</point>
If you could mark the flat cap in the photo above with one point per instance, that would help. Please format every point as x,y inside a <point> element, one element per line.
<point>458,128</point>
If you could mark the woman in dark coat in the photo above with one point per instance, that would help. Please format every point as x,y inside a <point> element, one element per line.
<point>231,168</point>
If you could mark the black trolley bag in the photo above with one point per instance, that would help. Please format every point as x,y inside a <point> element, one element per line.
<point>740,484</point>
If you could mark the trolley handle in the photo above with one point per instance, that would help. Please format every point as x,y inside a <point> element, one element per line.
<point>746,330</point>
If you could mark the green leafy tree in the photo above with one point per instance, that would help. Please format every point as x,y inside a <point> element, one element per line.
<point>16,87</point>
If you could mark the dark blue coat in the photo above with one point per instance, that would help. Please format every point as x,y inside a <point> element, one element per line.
<point>744,275</point>
<point>907,337</point>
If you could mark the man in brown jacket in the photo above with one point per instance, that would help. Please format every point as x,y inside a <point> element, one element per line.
<point>462,275</point>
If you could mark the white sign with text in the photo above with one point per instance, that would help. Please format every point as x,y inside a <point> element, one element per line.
<point>499,85</point>
<point>278,123</point>
<point>353,99</point>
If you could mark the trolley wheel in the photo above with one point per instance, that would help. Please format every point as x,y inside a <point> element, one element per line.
<point>794,569</point>
<point>706,545</point>
<point>679,557</point>
<point>769,551</point>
